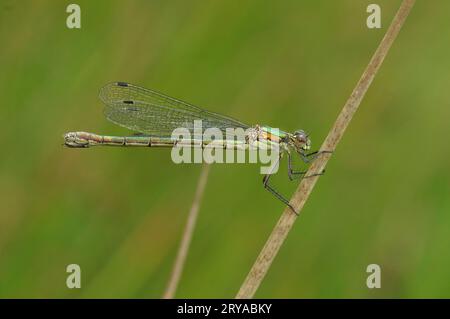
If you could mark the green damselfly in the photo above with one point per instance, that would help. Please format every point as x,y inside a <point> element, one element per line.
<point>155,116</point>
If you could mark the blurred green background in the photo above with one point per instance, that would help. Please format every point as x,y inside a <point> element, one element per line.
<point>119,213</point>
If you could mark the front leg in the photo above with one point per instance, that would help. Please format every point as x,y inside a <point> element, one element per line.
<point>307,158</point>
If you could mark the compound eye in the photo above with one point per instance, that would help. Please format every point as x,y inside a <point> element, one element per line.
<point>301,136</point>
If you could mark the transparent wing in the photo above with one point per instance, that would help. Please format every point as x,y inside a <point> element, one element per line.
<point>156,114</point>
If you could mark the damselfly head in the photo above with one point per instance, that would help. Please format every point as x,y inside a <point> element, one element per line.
<point>302,141</point>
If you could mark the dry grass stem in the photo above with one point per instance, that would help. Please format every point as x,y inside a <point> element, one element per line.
<point>187,235</point>
<point>286,221</point>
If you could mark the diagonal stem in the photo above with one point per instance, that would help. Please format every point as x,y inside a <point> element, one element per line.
<point>287,219</point>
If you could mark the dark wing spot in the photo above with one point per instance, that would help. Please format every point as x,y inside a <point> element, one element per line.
<point>128,102</point>
<point>122,84</point>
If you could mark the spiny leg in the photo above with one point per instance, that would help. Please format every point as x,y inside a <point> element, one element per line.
<point>276,193</point>
<point>293,174</point>
<point>273,190</point>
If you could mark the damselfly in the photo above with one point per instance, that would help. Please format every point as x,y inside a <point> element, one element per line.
<point>155,116</point>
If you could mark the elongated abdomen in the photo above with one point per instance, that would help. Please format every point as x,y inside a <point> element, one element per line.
<point>85,139</point>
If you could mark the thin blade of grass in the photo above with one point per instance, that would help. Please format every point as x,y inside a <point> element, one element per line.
<point>187,235</point>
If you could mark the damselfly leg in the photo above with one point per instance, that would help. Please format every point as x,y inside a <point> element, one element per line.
<point>291,173</point>
<point>273,190</point>
<point>307,158</point>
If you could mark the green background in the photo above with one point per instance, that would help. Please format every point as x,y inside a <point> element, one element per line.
<point>119,213</point>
